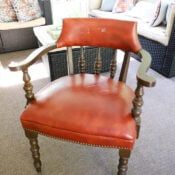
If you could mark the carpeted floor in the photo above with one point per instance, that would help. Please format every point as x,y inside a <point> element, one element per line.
<point>154,152</point>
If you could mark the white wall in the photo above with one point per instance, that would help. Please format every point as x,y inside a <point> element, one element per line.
<point>68,8</point>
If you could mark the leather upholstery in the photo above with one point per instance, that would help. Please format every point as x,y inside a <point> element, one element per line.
<point>85,108</point>
<point>100,33</point>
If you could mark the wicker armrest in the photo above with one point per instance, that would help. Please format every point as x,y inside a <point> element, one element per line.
<point>32,58</point>
<point>142,77</point>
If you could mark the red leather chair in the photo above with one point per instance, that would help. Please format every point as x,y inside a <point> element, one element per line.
<point>89,109</point>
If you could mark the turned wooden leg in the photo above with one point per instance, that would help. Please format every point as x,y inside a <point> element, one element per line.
<point>123,161</point>
<point>32,136</point>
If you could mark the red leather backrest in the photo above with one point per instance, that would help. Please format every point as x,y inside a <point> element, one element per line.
<point>99,32</point>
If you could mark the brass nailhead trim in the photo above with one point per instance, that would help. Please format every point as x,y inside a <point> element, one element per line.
<point>81,143</point>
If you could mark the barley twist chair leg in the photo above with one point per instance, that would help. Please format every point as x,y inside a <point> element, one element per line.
<point>123,161</point>
<point>32,136</point>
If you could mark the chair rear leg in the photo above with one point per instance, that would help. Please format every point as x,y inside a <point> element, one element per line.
<point>32,136</point>
<point>123,161</point>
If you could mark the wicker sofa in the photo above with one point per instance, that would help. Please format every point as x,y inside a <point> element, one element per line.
<point>16,36</point>
<point>162,50</point>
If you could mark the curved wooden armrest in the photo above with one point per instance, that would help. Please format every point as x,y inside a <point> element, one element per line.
<point>32,58</point>
<point>142,77</point>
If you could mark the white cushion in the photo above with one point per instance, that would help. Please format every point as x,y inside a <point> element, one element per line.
<point>153,33</point>
<point>138,12</point>
<point>110,15</point>
<point>19,25</point>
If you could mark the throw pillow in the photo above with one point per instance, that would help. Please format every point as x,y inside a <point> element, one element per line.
<point>122,6</point>
<point>26,10</point>
<point>107,5</point>
<point>160,12</point>
<point>7,13</point>
<point>143,10</point>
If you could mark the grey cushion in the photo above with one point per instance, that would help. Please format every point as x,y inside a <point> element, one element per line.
<point>107,5</point>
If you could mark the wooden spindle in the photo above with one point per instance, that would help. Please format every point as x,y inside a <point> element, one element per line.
<point>28,88</point>
<point>82,62</point>
<point>98,63</point>
<point>70,66</point>
<point>32,136</point>
<point>124,69</point>
<point>137,106</point>
<point>123,161</point>
<point>113,65</point>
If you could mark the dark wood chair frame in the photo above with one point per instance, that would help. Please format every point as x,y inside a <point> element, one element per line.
<point>142,80</point>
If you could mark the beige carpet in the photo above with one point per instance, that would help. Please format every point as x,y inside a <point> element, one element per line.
<point>153,154</point>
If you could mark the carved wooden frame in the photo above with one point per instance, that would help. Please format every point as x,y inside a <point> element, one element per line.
<point>142,80</point>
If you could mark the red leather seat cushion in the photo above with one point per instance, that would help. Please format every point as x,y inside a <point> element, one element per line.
<point>85,108</point>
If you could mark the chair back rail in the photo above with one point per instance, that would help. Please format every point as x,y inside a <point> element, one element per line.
<point>114,34</point>
<point>99,33</point>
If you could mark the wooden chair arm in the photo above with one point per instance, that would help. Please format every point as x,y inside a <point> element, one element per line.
<point>32,58</point>
<point>142,77</point>
<point>142,80</point>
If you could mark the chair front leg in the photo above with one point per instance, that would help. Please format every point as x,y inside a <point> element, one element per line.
<point>123,161</point>
<point>32,136</point>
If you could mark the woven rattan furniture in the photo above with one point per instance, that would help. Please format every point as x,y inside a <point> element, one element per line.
<point>163,57</point>
<point>22,38</point>
<point>85,108</point>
